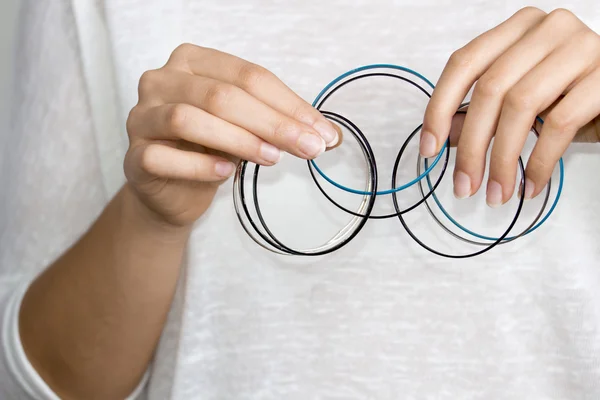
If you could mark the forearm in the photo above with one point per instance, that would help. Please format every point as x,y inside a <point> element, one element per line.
<point>90,323</point>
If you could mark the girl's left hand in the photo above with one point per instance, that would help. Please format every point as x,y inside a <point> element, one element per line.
<point>532,64</point>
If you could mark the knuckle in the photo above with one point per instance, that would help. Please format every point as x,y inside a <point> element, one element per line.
<point>184,50</point>
<point>200,170</point>
<point>128,165</point>
<point>304,113</point>
<point>537,165</point>
<point>489,86</point>
<point>561,16</point>
<point>218,95</point>
<point>280,127</point>
<point>560,123</point>
<point>531,10</point>
<point>519,100</point>
<point>435,113</point>
<point>466,151</point>
<point>504,161</point>
<point>588,40</point>
<point>470,161</point>
<point>244,149</point>
<point>461,58</point>
<point>180,57</point>
<point>132,121</point>
<point>148,159</point>
<point>197,172</point>
<point>176,118</point>
<point>148,83</point>
<point>251,76</point>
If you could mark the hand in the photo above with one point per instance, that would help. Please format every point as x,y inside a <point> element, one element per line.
<point>202,112</point>
<point>532,64</point>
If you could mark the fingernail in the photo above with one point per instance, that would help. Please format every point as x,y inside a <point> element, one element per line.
<point>311,145</point>
<point>494,194</point>
<point>224,168</point>
<point>462,185</point>
<point>270,153</point>
<point>327,132</point>
<point>529,188</point>
<point>428,145</point>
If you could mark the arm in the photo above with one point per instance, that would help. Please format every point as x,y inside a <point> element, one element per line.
<point>90,322</point>
<point>96,314</point>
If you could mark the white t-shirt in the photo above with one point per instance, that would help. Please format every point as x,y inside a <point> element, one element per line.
<point>381,318</point>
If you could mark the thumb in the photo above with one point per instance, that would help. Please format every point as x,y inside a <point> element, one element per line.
<point>340,137</point>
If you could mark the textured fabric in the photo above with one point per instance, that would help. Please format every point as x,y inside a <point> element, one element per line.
<point>379,319</point>
<point>17,363</point>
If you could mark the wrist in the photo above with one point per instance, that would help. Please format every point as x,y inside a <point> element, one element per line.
<point>135,212</point>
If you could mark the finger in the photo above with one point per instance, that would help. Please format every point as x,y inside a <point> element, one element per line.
<point>490,90</point>
<point>577,109</point>
<point>464,67</point>
<point>456,128</point>
<point>234,105</point>
<point>257,81</point>
<point>340,136</point>
<point>165,162</point>
<point>186,122</point>
<point>532,94</point>
<point>589,133</point>
<point>489,93</point>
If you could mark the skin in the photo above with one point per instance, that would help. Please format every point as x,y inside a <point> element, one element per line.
<point>91,321</point>
<point>532,64</point>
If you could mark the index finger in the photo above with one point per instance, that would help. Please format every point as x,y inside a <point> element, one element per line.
<point>257,81</point>
<point>463,69</point>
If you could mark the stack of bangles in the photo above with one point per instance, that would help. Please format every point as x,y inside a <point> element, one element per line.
<point>263,236</point>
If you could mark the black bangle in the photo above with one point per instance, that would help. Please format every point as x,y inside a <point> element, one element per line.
<point>361,220</point>
<point>488,248</point>
<point>400,152</point>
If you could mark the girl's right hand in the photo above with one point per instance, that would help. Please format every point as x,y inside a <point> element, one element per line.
<point>201,113</point>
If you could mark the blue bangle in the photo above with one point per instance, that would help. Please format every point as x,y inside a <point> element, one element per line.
<point>322,97</point>
<point>536,226</point>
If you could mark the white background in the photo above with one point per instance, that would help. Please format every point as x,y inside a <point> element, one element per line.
<point>8,16</point>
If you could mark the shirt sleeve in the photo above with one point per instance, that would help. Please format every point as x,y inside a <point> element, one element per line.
<point>51,174</point>
<point>22,380</point>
